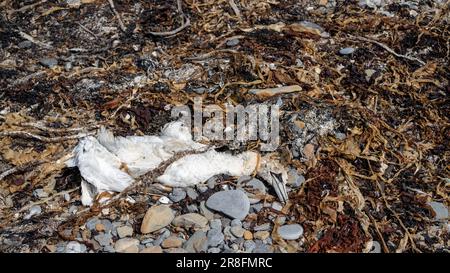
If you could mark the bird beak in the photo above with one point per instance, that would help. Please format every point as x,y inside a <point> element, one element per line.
<point>279,186</point>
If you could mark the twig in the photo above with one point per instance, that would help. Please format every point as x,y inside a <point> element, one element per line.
<point>235,9</point>
<point>42,127</point>
<point>119,18</point>
<point>388,49</point>
<point>26,7</point>
<point>88,31</point>
<point>34,41</point>
<point>186,23</point>
<point>44,138</point>
<point>45,200</point>
<point>18,169</point>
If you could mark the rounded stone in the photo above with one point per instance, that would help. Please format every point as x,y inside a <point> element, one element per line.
<point>233,203</point>
<point>156,218</point>
<point>290,232</point>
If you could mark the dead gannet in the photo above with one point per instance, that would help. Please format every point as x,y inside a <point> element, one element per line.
<point>110,163</point>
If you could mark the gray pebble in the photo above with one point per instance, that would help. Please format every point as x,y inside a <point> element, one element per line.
<point>25,44</point>
<point>340,136</point>
<point>215,237</point>
<point>49,62</point>
<point>177,195</point>
<point>277,206</point>
<point>215,224</point>
<point>439,209</point>
<point>205,211</point>
<point>233,42</point>
<point>103,239</point>
<point>191,193</point>
<point>198,242</point>
<point>233,203</point>
<point>265,226</point>
<point>256,207</point>
<point>90,224</point>
<point>346,51</point>
<point>237,231</point>
<point>202,188</point>
<point>249,246</point>
<point>192,208</point>
<point>34,210</point>
<point>290,232</point>
<point>212,182</point>
<point>214,250</point>
<point>261,247</point>
<point>236,223</point>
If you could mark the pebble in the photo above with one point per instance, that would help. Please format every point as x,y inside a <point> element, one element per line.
<point>109,249</point>
<point>164,200</point>
<point>236,223</point>
<point>256,207</point>
<point>25,44</point>
<point>177,195</point>
<point>265,226</point>
<point>237,231</point>
<point>260,247</point>
<point>99,227</point>
<point>233,42</point>
<point>49,62</point>
<point>228,234</point>
<point>192,208</point>
<point>156,218</point>
<point>172,242</point>
<point>205,211</point>
<point>189,220</point>
<point>124,231</point>
<point>249,246</point>
<point>248,235</point>
<point>215,224</point>
<point>215,237</point>
<point>376,247</point>
<point>176,250</point>
<point>103,239</point>
<point>346,51</point>
<point>198,242</point>
<point>34,210</point>
<point>75,247</point>
<point>152,249</point>
<point>127,245</point>
<point>202,188</point>
<point>233,203</point>
<point>277,206</point>
<point>261,235</point>
<point>295,180</point>
<point>290,232</point>
<point>340,136</point>
<point>192,193</point>
<point>214,250</point>
<point>40,193</point>
<point>370,3</point>
<point>164,234</point>
<point>257,187</point>
<point>311,25</point>
<point>439,209</point>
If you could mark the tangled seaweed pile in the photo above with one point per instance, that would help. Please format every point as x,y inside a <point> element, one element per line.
<point>369,129</point>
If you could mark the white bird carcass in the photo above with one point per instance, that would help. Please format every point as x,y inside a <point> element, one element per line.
<point>110,163</point>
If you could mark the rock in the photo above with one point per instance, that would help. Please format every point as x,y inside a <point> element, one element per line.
<point>295,179</point>
<point>228,234</point>
<point>260,247</point>
<point>215,224</point>
<point>256,187</point>
<point>265,226</point>
<point>73,3</point>
<point>236,223</point>
<point>68,66</point>
<point>156,218</point>
<point>127,245</point>
<point>90,224</point>
<point>314,28</point>
<point>40,193</point>
<point>256,207</point>
<point>369,73</point>
<point>172,242</point>
<point>205,211</point>
<point>75,247</point>
<point>248,235</point>
<point>249,246</point>
<point>214,250</point>
<point>25,44</point>
<point>177,195</point>
<point>103,239</point>
<point>290,232</point>
<point>198,242</point>
<point>152,249</point>
<point>440,210</point>
<point>370,3</point>
<point>192,208</point>
<point>346,51</point>
<point>189,220</point>
<point>191,193</point>
<point>277,206</point>
<point>202,188</point>
<point>164,200</point>
<point>107,225</point>
<point>164,234</point>
<point>233,42</point>
<point>124,231</point>
<point>237,231</point>
<point>176,250</point>
<point>49,62</point>
<point>215,237</point>
<point>233,203</point>
<point>261,235</point>
<point>340,136</point>
<point>34,210</point>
